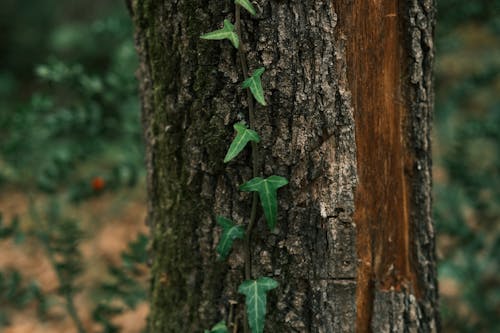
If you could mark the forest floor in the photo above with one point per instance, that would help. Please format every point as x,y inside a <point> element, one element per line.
<point>110,221</point>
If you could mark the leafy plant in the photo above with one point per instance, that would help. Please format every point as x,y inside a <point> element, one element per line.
<point>225,33</point>
<point>247,5</point>
<point>255,290</point>
<point>218,328</point>
<point>230,233</point>
<point>77,112</point>
<point>267,189</point>
<point>122,291</point>
<point>12,230</point>
<point>71,126</point>
<point>255,85</point>
<point>243,137</point>
<point>14,292</point>
<point>466,181</point>
<point>60,238</point>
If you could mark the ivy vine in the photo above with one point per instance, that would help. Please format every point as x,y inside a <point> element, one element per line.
<point>254,289</point>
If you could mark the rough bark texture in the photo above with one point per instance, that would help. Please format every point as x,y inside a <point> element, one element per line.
<point>326,253</point>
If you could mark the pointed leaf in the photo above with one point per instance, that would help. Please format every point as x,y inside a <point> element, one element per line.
<point>243,136</point>
<point>220,327</point>
<point>255,292</point>
<point>228,32</point>
<point>255,85</point>
<point>230,232</point>
<point>267,189</point>
<point>247,5</point>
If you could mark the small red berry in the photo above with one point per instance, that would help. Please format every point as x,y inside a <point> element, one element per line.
<point>98,184</point>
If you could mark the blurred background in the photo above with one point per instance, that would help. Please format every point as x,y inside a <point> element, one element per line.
<point>72,193</point>
<point>467,164</point>
<point>72,198</point>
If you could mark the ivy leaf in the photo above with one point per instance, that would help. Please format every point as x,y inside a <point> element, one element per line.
<point>267,189</point>
<point>255,292</point>
<point>230,232</point>
<point>228,32</point>
<point>247,5</point>
<point>220,327</point>
<point>255,85</point>
<point>244,136</point>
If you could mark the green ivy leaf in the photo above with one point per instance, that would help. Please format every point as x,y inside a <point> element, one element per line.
<point>230,232</point>
<point>228,32</point>
<point>243,136</point>
<point>255,85</point>
<point>220,327</point>
<point>247,5</point>
<point>255,292</point>
<point>267,189</point>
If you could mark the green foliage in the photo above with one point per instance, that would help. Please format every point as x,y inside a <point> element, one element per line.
<point>466,163</point>
<point>243,136</point>
<point>247,5</point>
<point>121,291</point>
<point>15,293</point>
<point>61,237</point>
<point>84,110</point>
<point>103,313</point>
<point>457,13</point>
<point>70,120</point>
<point>230,233</point>
<point>255,292</point>
<point>12,230</point>
<point>228,32</point>
<point>136,254</point>
<point>255,85</point>
<point>119,176</point>
<point>267,189</point>
<point>218,328</point>
<point>466,210</point>
<point>123,283</point>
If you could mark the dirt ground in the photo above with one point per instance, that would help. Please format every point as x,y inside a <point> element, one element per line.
<point>110,221</point>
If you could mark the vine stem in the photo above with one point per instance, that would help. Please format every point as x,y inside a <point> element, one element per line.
<point>251,116</point>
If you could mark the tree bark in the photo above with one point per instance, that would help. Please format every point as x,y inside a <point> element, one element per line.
<point>349,89</point>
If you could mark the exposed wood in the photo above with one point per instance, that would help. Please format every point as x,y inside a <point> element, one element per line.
<point>377,66</point>
<point>379,69</point>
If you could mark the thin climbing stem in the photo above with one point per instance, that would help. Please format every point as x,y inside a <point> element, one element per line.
<point>255,157</point>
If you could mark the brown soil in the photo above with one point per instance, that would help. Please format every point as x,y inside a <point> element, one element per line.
<point>110,221</point>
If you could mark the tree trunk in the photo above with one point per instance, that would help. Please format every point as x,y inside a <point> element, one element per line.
<point>348,85</point>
